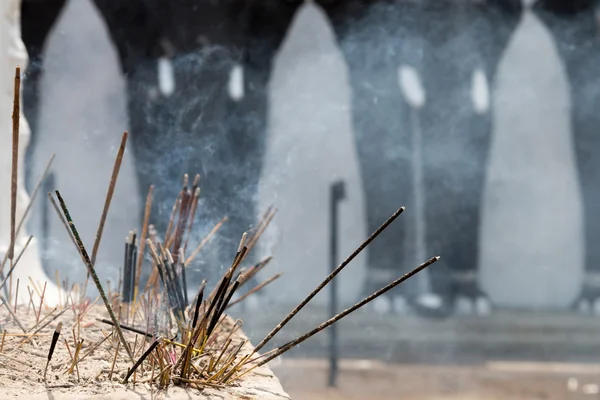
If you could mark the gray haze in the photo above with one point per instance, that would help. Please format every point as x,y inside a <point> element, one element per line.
<point>83,105</point>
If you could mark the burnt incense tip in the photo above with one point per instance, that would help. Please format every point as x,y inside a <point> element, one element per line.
<point>242,242</point>
<point>169,256</point>
<point>196,180</point>
<point>186,179</point>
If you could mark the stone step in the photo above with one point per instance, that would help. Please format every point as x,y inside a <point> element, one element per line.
<point>503,335</point>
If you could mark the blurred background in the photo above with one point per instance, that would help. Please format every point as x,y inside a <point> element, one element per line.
<point>479,116</point>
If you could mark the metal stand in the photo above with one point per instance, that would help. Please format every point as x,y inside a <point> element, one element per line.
<point>337,194</point>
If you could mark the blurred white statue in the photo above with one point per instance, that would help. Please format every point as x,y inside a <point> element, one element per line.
<point>532,234</point>
<point>13,54</point>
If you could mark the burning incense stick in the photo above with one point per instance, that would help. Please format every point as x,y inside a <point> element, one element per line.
<point>129,268</point>
<point>52,346</point>
<point>141,360</point>
<point>92,272</point>
<point>288,346</point>
<point>328,279</point>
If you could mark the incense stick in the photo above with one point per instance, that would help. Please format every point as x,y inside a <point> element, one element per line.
<point>140,260</point>
<point>107,201</point>
<point>141,360</point>
<point>288,346</point>
<point>328,279</point>
<point>15,161</point>
<point>92,272</point>
<point>52,346</point>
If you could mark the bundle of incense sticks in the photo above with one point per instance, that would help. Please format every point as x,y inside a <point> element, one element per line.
<point>169,278</point>
<point>186,203</point>
<point>129,263</point>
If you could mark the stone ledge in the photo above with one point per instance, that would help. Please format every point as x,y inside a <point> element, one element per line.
<point>550,336</point>
<point>21,371</point>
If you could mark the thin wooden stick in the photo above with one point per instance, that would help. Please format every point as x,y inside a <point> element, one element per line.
<point>15,263</point>
<point>74,365</point>
<point>69,349</point>
<point>26,212</point>
<point>37,317</point>
<point>16,296</point>
<point>12,314</point>
<point>107,201</point>
<point>109,195</point>
<point>180,228</point>
<point>95,278</point>
<point>15,161</point>
<point>31,335</point>
<point>10,283</point>
<point>43,319</point>
<point>30,304</point>
<point>2,345</point>
<point>37,291</point>
<point>140,260</point>
<point>266,220</point>
<point>195,197</point>
<point>58,286</point>
<point>35,193</point>
<point>112,368</point>
<point>328,279</point>
<point>172,218</point>
<point>204,241</point>
<point>94,347</point>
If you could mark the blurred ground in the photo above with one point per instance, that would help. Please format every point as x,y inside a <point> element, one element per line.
<point>307,379</point>
<point>508,355</point>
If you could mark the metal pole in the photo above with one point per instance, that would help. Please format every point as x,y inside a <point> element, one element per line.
<point>337,194</point>
<point>423,282</point>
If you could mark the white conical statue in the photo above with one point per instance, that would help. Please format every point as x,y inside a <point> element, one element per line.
<point>13,54</point>
<point>82,116</point>
<point>309,146</point>
<point>531,237</point>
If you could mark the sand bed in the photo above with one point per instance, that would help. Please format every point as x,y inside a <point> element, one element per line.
<point>22,366</point>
